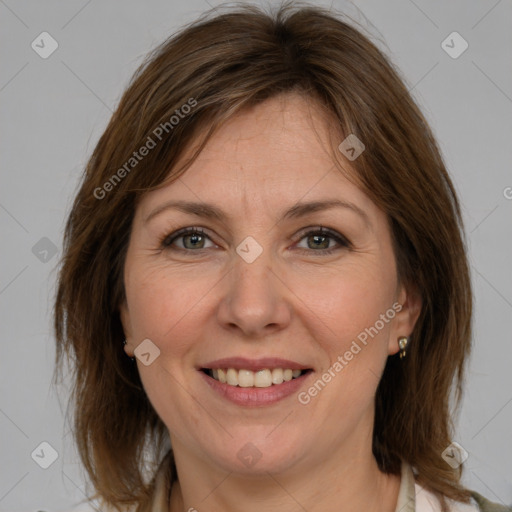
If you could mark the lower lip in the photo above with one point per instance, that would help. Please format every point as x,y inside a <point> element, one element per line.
<point>256,397</point>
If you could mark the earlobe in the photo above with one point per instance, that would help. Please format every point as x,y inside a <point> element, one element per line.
<point>410,300</point>
<point>125,322</point>
<point>127,348</point>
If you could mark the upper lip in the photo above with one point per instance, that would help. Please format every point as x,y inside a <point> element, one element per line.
<point>242,363</point>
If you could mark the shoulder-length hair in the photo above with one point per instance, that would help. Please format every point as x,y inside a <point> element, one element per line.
<point>218,66</point>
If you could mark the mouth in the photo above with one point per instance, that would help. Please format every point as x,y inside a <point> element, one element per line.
<point>263,378</point>
<point>254,382</point>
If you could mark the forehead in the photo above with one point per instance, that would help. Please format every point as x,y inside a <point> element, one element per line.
<point>275,153</point>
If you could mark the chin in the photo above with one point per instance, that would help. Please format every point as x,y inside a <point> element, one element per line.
<point>257,455</point>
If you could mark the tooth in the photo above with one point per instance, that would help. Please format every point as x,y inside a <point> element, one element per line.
<point>245,378</point>
<point>277,376</point>
<point>232,377</point>
<point>263,379</point>
<point>260,379</point>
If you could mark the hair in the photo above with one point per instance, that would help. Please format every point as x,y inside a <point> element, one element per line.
<point>221,65</point>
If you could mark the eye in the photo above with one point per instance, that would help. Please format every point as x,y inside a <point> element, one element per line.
<point>320,240</point>
<point>187,239</point>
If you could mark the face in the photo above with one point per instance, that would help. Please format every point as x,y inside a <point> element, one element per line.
<point>260,284</point>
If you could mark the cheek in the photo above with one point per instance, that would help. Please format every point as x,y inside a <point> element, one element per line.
<point>163,302</point>
<point>349,301</point>
<point>347,308</point>
<point>164,307</point>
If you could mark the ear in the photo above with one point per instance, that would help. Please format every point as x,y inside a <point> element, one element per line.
<point>408,307</point>
<point>124,314</point>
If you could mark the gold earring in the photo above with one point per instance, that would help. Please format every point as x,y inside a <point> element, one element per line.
<point>403,341</point>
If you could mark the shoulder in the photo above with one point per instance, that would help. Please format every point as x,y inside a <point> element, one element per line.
<point>427,501</point>
<point>488,506</point>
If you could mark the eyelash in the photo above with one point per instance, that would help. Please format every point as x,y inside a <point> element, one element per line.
<point>168,240</point>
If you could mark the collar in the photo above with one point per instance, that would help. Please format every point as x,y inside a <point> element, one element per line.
<point>407,493</point>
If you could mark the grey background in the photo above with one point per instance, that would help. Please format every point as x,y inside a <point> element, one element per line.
<point>53,111</point>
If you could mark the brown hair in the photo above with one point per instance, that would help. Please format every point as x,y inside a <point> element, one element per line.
<point>219,66</point>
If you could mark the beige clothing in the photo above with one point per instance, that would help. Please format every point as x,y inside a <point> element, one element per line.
<point>412,497</point>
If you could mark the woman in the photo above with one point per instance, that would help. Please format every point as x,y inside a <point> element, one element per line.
<point>268,231</point>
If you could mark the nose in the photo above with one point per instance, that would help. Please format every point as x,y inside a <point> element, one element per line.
<point>256,300</point>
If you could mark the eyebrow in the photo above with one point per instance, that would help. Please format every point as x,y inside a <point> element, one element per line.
<point>207,210</point>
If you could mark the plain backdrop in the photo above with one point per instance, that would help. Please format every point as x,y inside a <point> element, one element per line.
<point>54,109</point>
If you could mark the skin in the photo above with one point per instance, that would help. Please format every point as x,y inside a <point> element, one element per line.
<point>294,302</point>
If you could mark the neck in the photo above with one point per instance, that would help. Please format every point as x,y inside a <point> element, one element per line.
<point>352,484</point>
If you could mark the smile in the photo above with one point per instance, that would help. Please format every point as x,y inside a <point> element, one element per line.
<point>243,378</point>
